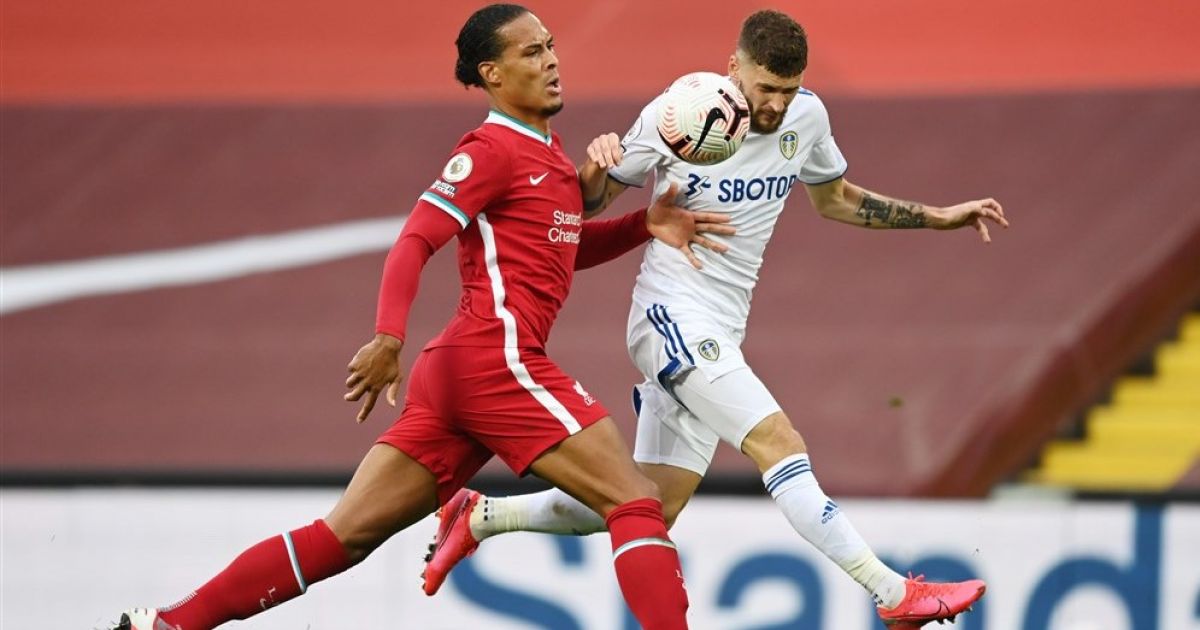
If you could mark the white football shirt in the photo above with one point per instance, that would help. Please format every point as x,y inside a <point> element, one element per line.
<point>751,187</point>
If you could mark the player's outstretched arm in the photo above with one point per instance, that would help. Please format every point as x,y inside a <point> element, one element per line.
<point>602,240</point>
<point>843,201</point>
<point>681,228</point>
<point>599,190</point>
<point>376,366</point>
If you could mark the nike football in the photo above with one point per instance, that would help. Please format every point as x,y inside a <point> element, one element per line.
<point>703,118</point>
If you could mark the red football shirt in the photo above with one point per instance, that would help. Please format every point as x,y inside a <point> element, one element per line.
<point>517,197</point>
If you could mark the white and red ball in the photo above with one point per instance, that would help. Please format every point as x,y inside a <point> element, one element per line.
<point>703,117</point>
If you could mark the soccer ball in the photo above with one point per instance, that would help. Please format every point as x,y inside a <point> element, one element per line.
<point>703,117</point>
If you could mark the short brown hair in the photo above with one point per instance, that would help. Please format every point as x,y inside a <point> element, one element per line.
<point>775,41</point>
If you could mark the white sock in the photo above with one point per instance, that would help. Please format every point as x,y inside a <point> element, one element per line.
<point>820,521</point>
<point>551,512</point>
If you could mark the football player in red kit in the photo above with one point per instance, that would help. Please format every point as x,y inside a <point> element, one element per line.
<point>484,385</point>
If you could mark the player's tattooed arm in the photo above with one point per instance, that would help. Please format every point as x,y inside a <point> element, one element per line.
<point>595,205</point>
<point>890,212</point>
<point>843,201</point>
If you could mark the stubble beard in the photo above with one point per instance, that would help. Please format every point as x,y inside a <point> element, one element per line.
<point>758,127</point>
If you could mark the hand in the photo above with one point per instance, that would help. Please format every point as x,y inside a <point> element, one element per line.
<point>970,213</point>
<point>605,151</point>
<point>680,228</point>
<point>374,367</point>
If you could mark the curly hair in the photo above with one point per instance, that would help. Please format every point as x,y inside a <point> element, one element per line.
<point>479,40</point>
<point>775,41</point>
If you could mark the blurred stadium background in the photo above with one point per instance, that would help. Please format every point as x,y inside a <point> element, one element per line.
<point>196,200</point>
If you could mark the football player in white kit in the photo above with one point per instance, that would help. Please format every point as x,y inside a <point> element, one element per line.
<point>688,319</point>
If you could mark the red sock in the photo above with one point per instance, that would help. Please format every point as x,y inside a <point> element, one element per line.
<point>264,576</point>
<point>647,565</point>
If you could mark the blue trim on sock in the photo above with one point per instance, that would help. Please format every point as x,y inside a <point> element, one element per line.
<point>790,471</point>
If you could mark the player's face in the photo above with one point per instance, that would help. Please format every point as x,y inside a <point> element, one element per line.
<point>526,74</point>
<point>767,93</point>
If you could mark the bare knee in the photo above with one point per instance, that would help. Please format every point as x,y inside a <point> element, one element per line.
<point>621,488</point>
<point>638,486</point>
<point>358,537</point>
<point>671,510</point>
<point>772,440</point>
<point>362,531</point>
<point>595,467</point>
<point>389,492</point>
<point>675,485</point>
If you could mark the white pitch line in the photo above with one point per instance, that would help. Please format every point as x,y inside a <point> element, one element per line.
<point>32,286</point>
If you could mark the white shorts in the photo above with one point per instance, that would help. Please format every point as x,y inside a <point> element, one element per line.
<point>698,388</point>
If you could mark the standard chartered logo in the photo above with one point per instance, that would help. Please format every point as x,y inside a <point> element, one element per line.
<point>561,232</point>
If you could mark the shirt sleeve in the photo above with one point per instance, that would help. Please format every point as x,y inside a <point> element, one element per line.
<point>825,162</point>
<point>644,149</point>
<point>478,173</point>
<point>427,229</point>
<point>603,240</point>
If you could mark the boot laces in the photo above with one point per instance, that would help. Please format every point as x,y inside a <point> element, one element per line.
<point>931,589</point>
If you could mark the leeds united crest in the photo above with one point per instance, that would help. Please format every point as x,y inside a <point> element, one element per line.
<point>788,143</point>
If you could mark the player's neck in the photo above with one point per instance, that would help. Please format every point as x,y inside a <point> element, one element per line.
<point>534,120</point>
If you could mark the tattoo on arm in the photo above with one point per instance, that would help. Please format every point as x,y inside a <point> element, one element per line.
<point>893,214</point>
<point>599,201</point>
<point>603,200</point>
<point>591,205</point>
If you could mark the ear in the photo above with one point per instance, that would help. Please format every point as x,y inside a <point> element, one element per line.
<point>490,72</point>
<point>734,67</point>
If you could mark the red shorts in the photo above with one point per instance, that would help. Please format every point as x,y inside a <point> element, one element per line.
<point>465,404</point>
